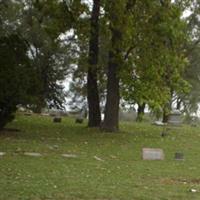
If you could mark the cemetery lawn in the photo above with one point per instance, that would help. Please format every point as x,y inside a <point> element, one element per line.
<point>108,166</point>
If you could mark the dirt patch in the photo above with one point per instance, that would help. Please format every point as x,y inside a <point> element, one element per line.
<point>172,181</point>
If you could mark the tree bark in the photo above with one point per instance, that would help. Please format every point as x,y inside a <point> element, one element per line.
<point>111,120</point>
<point>166,112</point>
<point>115,62</point>
<point>140,112</point>
<point>165,117</point>
<point>92,86</point>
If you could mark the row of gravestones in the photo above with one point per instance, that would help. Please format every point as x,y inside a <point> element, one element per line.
<point>174,118</point>
<point>158,154</point>
<point>79,117</point>
<point>147,154</point>
<point>58,119</point>
<point>34,154</point>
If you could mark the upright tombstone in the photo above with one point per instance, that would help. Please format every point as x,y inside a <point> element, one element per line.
<point>175,118</point>
<point>179,156</point>
<point>27,114</point>
<point>81,116</point>
<point>127,116</point>
<point>152,154</point>
<point>79,120</point>
<point>57,119</point>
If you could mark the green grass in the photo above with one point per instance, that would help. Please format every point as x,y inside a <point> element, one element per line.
<point>123,175</point>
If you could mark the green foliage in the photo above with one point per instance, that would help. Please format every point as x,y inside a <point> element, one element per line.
<point>80,52</point>
<point>157,61</point>
<point>42,25</point>
<point>34,66</point>
<point>15,73</point>
<point>192,72</point>
<point>150,49</point>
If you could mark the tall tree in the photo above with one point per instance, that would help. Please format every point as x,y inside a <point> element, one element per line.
<point>15,76</point>
<point>42,26</point>
<point>158,55</point>
<point>92,86</point>
<point>189,103</point>
<point>15,71</point>
<point>119,13</point>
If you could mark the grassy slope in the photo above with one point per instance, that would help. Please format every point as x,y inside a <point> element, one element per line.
<point>122,175</point>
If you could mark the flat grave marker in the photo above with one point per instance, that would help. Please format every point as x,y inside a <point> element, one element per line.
<point>32,154</point>
<point>69,155</point>
<point>2,153</point>
<point>152,154</point>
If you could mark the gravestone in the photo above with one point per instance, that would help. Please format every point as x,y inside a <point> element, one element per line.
<point>69,156</point>
<point>82,115</point>
<point>57,119</point>
<point>179,156</point>
<point>2,153</point>
<point>27,114</point>
<point>152,154</point>
<point>79,120</point>
<point>45,114</point>
<point>175,118</point>
<point>194,121</point>
<point>193,125</point>
<point>32,154</point>
<point>127,116</point>
<point>159,123</point>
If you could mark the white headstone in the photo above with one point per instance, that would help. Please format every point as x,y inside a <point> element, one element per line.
<point>175,118</point>
<point>152,154</point>
<point>32,154</point>
<point>127,116</point>
<point>2,153</point>
<point>69,155</point>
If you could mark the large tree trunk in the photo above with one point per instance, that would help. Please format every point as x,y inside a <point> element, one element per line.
<point>167,107</point>
<point>111,120</point>
<point>165,117</point>
<point>140,112</point>
<point>92,86</point>
<point>116,60</point>
<point>166,112</point>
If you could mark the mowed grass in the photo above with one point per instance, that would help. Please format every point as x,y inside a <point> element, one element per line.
<point>121,174</point>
